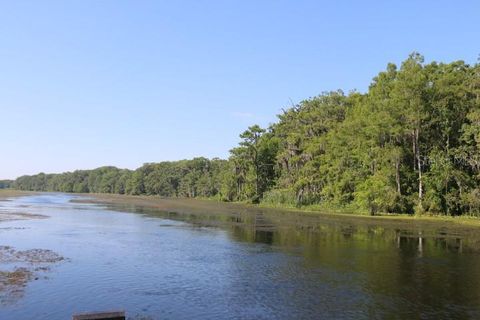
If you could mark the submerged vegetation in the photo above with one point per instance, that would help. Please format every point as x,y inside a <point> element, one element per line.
<point>411,144</point>
<point>27,266</point>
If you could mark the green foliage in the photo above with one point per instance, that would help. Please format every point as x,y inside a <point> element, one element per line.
<point>279,197</point>
<point>376,194</point>
<point>186,178</point>
<point>409,144</point>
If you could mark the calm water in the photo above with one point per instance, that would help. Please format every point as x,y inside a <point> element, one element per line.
<point>241,265</point>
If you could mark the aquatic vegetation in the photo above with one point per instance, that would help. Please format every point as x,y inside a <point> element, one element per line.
<point>28,265</point>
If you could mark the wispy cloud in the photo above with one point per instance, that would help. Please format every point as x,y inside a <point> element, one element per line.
<point>243,115</point>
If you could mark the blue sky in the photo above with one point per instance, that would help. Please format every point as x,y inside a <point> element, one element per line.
<point>91,83</point>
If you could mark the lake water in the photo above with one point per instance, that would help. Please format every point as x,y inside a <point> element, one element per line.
<point>250,264</point>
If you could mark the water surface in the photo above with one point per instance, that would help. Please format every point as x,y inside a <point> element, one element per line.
<point>250,264</point>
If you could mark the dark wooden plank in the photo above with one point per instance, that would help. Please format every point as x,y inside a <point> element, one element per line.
<point>111,315</point>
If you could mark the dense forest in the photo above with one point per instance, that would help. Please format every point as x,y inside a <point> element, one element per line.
<point>411,144</point>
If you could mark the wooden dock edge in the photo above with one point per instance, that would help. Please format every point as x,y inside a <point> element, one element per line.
<point>110,315</point>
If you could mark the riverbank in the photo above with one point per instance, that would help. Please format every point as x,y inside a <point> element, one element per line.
<point>464,220</point>
<point>9,214</point>
<point>300,216</point>
<point>10,193</point>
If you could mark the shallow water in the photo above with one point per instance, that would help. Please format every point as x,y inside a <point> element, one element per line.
<point>245,265</point>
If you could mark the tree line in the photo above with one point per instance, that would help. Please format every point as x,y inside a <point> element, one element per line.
<point>5,184</point>
<point>410,144</point>
<point>199,177</point>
